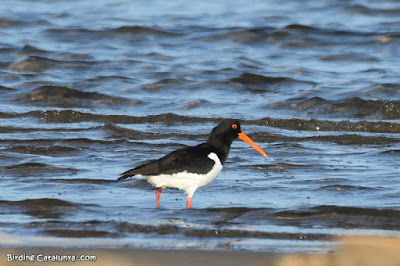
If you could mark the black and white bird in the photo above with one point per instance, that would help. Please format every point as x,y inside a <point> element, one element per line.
<point>192,167</point>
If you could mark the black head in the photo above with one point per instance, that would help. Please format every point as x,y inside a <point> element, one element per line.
<point>223,135</point>
<point>227,129</point>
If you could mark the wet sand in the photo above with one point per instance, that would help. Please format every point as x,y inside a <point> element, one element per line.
<point>355,251</point>
<point>127,256</point>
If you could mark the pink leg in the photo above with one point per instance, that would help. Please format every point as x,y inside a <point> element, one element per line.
<point>158,194</point>
<point>189,202</point>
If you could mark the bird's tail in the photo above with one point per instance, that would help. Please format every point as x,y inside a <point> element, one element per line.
<point>125,175</point>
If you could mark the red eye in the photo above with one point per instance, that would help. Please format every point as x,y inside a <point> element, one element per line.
<point>234,126</point>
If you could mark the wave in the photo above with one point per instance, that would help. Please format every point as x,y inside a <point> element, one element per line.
<point>370,11</point>
<point>73,116</point>
<point>353,57</point>
<point>300,36</point>
<point>254,79</point>
<point>131,31</point>
<point>79,233</point>
<point>346,188</point>
<point>35,169</point>
<point>60,96</point>
<point>354,107</point>
<point>342,217</point>
<point>341,139</point>
<point>34,63</point>
<point>44,208</point>
<point>53,150</point>
<point>324,216</point>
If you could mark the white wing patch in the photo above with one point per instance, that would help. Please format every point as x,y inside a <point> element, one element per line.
<point>187,181</point>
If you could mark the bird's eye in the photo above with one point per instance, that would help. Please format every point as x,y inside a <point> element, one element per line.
<point>234,126</point>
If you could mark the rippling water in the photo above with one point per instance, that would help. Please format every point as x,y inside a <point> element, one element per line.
<point>90,90</point>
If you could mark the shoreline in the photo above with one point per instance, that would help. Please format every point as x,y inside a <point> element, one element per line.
<point>353,250</point>
<point>134,256</point>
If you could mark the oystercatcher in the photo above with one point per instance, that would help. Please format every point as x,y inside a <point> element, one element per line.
<point>192,167</point>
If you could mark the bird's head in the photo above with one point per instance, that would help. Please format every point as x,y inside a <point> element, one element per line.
<point>229,130</point>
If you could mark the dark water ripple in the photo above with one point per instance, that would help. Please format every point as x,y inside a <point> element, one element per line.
<point>354,107</point>
<point>68,97</point>
<point>89,91</point>
<point>220,220</point>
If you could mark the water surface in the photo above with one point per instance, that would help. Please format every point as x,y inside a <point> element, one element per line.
<point>91,90</point>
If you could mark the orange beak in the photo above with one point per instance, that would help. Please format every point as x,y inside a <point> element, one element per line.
<point>248,140</point>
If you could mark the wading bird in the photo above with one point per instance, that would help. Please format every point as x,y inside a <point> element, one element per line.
<point>192,167</point>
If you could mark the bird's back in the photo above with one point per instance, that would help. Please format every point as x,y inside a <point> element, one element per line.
<point>189,159</point>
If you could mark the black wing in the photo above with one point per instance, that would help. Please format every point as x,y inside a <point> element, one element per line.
<point>190,159</point>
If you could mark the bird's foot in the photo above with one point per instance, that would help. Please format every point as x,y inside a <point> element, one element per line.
<point>189,202</point>
<point>158,194</point>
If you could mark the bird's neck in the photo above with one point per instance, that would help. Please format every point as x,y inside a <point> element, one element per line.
<point>221,146</point>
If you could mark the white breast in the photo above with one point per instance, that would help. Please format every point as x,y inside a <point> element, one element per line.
<point>188,181</point>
